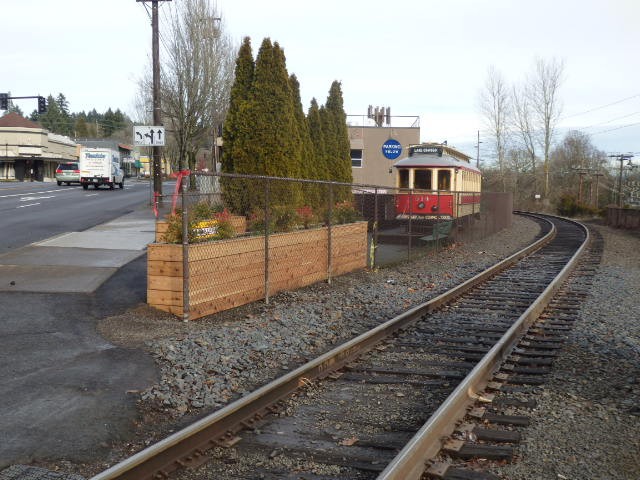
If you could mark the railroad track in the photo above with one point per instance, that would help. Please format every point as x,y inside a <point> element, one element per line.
<point>416,393</point>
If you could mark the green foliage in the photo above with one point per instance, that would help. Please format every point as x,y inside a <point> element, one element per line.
<point>285,218</point>
<point>112,122</point>
<point>345,212</point>
<point>282,218</point>
<point>340,156</point>
<point>206,222</point>
<point>55,119</point>
<point>58,119</point>
<point>240,92</point>
<point>568,206</point>
<point>306,216</point>
<point>270,141</point>
<point>267,133</point>
<point>257,222</point>
<point>317,135</point>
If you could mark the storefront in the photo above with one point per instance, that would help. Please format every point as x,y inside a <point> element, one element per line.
<point>29,152</point>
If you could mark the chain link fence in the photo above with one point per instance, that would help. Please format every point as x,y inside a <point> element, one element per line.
<point>239,238</point>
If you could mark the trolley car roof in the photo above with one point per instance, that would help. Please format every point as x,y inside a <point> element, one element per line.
<point>433,160</point>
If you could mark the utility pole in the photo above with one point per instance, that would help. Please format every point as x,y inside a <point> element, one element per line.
<point>478,151</point>
<point>621,158</point>
<point>157,111</point>
<point>597,175</point>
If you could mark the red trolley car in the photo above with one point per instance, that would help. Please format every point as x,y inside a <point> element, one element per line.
<point>436,182</point>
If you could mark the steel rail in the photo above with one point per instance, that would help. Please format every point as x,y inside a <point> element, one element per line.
<point>411,461</point>
<point>188,445</point>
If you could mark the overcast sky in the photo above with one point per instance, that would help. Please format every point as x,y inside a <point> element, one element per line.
<point>419,57</point>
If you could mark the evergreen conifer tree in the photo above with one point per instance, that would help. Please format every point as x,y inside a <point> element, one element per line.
<point>329,138</point>
<point>239,94</point>
<point>318,140</point>
<point>308,167</point>
<point>81,129</point>
<point>342,153</point>
<point>236,129</point>
<point>270,147</point>
<point>317,135</point>
<point>340,156</point>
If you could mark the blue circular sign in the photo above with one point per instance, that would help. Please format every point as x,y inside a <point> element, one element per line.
<point>391,149</point>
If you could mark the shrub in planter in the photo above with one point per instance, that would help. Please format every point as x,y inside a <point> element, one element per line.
<point>345,212</point>
<point>306,216</point>
<point>282,218</point>
<point>206,222</point>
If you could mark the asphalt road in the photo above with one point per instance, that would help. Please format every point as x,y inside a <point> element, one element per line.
<point>63,388</point>
<point>33,211</point>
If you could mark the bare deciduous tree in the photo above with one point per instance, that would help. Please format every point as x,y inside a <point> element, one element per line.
<point>523,127</point>
<point>196,76</point>
<point>574,163</point>
<point>542,91</point>
<point>495,105</point>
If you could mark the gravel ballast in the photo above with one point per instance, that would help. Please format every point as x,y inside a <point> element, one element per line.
<point>586,424</point>
<point>206,363</point>
<point>586,428</point>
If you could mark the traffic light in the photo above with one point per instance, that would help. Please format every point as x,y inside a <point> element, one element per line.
<point>42,105</point>
<point>4,101</point>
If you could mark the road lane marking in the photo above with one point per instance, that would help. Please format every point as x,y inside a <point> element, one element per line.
<point>28,199</point>
<point>34,193</point>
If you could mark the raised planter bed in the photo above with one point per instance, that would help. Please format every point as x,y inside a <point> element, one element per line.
<point>225,274</point>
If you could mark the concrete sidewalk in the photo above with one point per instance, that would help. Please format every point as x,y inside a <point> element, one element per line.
<point>77,262</point>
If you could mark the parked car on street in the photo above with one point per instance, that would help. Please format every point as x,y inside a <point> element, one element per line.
<point>68,173</point>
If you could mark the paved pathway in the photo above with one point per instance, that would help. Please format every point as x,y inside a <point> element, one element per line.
<point>63,388</point>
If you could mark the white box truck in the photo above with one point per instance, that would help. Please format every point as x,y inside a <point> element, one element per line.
<point>100,166</point>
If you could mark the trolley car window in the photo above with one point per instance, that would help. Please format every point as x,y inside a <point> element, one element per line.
<point>444,180</point>
<point>403,178</point>
<point>422,179</point>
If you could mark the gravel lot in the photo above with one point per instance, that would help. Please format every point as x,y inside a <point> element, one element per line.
<point>587,421</point>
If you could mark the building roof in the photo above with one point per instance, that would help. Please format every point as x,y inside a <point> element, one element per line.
<point>12,119</point>
<point>433,160</point>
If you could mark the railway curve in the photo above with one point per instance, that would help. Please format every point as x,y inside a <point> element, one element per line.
<point>391,396</point>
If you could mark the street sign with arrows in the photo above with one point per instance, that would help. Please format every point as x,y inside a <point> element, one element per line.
<point>148,136</point>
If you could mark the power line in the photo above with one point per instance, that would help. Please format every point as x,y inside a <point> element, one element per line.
<point>616,128</point>
<point>612,120</point>
<point>601,107</point>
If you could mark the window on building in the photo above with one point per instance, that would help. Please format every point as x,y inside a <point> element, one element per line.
<point>444,180</point>
<point>422,179</point>
<point>403,178</point>
<point>356,158</point>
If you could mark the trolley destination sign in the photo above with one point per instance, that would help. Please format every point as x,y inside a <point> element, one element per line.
<point>424,149</point>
